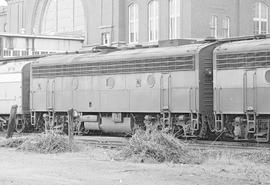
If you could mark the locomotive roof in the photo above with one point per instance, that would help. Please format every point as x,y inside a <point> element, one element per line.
<point>120,55</point>
<point>12,67</point>
<point>243,46</point>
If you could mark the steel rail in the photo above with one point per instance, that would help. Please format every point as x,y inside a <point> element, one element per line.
<point>192,144</point>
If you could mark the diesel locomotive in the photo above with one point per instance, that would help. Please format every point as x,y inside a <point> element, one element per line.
<point>118,91</point>
<point>241,87</point>
<point>197,90</point>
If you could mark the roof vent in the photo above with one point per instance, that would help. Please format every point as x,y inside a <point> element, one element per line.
<point>103,49</point>
<point>260,36</point>
<point>210,39</point>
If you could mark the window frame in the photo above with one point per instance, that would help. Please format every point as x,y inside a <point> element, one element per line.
<point>135,21</point>
<point>214,26</point>
<point>153,7</point>
<point>106,36</point>
<point>174,14</point>
<point>226,27</point>
<point>77,25</point>
<point>259,20</point>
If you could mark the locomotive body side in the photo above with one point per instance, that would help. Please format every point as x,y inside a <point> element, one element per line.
<point>116,90</point>
<point>241,85</point>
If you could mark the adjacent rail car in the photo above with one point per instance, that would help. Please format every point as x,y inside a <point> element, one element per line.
<point>14,90</point>
<point>241,89</point>
<point>115,92</point>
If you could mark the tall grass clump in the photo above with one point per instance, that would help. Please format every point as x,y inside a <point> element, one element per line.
<point>157,146</point>
<point>50,142</point>
<point>46,143</point>
<point>12,142</point>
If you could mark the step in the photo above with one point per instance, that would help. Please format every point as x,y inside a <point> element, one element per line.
<point>261,140</point>
<point>260,134</point>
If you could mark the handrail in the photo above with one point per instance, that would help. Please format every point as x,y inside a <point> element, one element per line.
<point>244,91</point>
<point>169,91</point>
<point>47,94</point>
<point>32,98</point>
<point>195,98</point>
<point>53,94</point>
<point>215,99</point>
<point>255,91</point>
<point>220,88</point>
<point>161,93</point>
<point>190,100</point>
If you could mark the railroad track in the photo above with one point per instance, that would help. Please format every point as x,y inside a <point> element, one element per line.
<point>227,145</point>
<point>118,142</point>
<point>104,142</point>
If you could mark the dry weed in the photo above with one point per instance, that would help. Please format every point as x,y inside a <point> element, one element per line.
<point>50,142</point>
<point>157,146</point>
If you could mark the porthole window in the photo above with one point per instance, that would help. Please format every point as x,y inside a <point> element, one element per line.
<point>151,81</point>
<point>267,76</point>
<point>110,83</point>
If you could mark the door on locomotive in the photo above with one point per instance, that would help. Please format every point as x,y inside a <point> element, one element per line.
<point>250,89</point>
<point>50,104</point>
<point>165,99</point>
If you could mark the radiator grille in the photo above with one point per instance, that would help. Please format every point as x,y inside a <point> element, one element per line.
<point>243,60</point>
<point>168,64</point>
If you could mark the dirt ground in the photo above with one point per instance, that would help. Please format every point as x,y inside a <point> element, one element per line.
<point>95,166</point>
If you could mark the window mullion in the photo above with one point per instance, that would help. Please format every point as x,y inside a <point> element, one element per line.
<point>260,18</point>
<point>175,20</point>
<point>57,15</point>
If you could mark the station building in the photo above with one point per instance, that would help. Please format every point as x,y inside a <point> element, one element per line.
<point>134,22</point>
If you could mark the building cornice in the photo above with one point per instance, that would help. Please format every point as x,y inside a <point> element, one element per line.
<point>4,34</point>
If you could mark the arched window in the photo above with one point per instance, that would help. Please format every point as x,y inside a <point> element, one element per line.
<point>64,17</point>
<point>260,18</point>
<point>174,19</point>
<point>153,22</point>
<point>133,23</point>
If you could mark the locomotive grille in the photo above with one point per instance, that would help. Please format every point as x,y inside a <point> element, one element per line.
<point>243,60</point>
<point>168,64</point>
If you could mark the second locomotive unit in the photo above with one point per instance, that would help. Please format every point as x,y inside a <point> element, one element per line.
<point>241,89</point>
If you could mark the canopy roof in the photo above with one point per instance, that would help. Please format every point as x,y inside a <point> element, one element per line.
<point>12,67</point>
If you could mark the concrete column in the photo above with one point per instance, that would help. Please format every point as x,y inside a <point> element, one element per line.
<point>15,16</point>
<point>119,20</point>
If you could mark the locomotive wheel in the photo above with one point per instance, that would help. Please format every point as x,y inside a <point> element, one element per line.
<point>20,125</point>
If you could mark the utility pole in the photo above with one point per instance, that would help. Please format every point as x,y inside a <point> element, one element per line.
<point>70,127</point>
